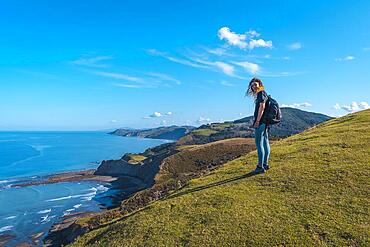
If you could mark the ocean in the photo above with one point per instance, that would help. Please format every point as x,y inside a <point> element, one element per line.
<point>25,156</point>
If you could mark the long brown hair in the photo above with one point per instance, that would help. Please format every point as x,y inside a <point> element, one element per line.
<point>250,92</point>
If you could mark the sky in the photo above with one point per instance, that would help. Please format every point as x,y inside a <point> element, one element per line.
<point>96,65</point>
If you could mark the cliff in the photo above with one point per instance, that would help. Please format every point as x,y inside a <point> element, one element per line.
<point>166,132</point>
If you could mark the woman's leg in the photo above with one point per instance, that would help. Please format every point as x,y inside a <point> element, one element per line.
<point>259,143</point>
<point>266,147</point>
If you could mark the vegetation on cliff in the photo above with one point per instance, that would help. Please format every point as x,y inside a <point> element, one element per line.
<point>165,132</point>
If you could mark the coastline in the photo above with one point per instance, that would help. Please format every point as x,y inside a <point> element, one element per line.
<point>72,176</point>
<point>121,187</point>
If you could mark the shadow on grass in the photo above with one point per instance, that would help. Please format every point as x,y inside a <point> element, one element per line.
<point>181,193</point>
<point>97,237</point>
<point>226,181</point>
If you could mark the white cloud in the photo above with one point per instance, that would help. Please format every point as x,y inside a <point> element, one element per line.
<point>198,63</point>
<point>203,120</point>
<point>175,59</point>
<point>227,84</point>
<point>232,38</point>
<point>164,77</point>
<point>119,76</point>
<point>253,33</point>
<point>216,51</point>
<point>250,67</point>
<point>188,122</point>
<point>295,46</point>
<point>150,80</point>
<point>297,105</point>
<point>156,114</point>
<point>336,106</point>
<point>353,107</point>
<point>347,58</point>
<point>113,121</point>
<point>241,40</point>
<point>127,85</point>
<point>226,68</point>
<point>92,61</point>
<point>259,43</point>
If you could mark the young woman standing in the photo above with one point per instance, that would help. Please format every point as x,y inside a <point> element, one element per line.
<point>257,91</point>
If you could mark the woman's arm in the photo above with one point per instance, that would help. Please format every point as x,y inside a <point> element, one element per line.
<point>260,113</point>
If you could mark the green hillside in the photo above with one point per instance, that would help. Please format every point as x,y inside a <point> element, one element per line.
<point>316,193</point>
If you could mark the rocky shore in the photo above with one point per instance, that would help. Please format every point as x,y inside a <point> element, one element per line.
<point>75,176</point>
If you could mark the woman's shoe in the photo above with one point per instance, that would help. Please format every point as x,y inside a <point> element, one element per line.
<point>266,167</point>
<point>259,169</point>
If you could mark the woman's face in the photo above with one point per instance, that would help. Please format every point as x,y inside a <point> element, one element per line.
<point>254,86</point>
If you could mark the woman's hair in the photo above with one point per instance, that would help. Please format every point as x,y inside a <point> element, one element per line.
<point>250,92</point>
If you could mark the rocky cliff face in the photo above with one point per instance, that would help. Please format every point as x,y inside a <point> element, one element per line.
<point>167,132</point>
<point>144,170</point>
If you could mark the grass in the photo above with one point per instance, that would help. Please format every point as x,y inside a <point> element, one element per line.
<point>204,132</point>
<point>135,158</point>
<point>315,194</point>
<point>195,159</point>
<point>186,147</point>
<point>221,126</point>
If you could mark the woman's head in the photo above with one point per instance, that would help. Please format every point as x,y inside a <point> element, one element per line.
<point>255,86</point>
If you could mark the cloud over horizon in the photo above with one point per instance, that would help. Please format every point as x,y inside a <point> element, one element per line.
<point>297,105</point>
<point>353,107</point>
<point>158,115</point>
<point>203,120</point>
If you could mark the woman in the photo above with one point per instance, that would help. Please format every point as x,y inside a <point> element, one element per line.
<point>257,91</point>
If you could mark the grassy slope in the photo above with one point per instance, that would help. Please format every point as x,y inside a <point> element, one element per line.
<point>204,132</point>
<point>316,193</point>
<point>135,158</point>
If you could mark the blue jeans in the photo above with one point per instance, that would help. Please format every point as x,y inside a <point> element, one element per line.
<point>262,144</point>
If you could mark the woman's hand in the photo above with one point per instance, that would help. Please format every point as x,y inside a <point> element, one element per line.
<point>256,124</point>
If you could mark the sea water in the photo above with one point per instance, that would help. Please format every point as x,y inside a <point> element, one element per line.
<point>26,156</point>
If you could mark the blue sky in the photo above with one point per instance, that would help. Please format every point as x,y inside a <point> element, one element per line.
<point>87,65</point>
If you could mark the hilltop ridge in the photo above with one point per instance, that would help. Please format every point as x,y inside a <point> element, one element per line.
<point>172,132</point>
